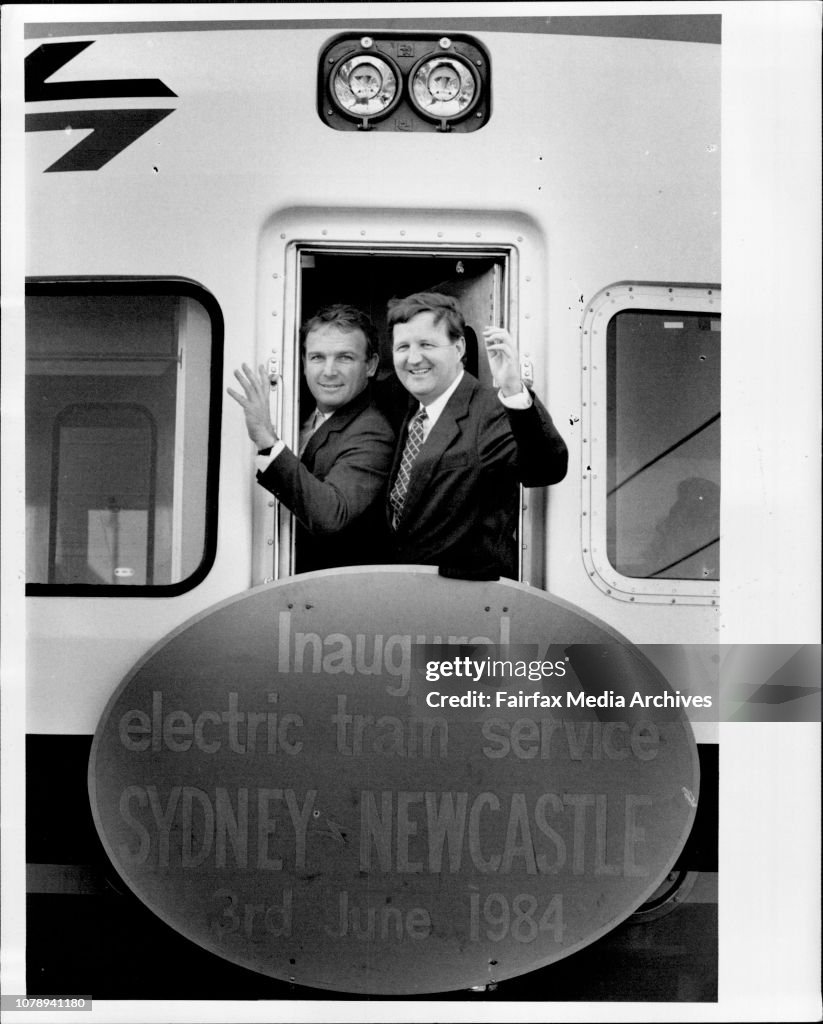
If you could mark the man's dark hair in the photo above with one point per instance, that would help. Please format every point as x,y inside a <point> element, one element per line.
<point>444,307</point>
<point>346,318</point>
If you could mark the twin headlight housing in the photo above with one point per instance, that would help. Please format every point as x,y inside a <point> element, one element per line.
<point>438,83</point>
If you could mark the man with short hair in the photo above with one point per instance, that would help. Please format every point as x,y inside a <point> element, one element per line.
<point>463,449</point>
<point>336,482</point>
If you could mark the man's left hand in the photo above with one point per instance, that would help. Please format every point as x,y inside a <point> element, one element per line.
<point>504,361</point>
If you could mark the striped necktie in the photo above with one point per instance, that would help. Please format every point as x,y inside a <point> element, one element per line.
<point>414,442</point>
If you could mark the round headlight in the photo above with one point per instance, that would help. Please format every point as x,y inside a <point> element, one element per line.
<point>365,86</point>
<point>444,88</point>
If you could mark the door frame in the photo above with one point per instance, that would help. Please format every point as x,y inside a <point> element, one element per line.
<point>514,242</point>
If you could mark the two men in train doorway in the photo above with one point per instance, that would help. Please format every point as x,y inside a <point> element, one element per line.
<point>451,489</point>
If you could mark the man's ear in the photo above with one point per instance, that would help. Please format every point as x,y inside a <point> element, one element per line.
<point>371,365</point>
<point>461,341</point>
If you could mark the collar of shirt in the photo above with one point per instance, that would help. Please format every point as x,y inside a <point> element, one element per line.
<point>318,418</point>
<point>435,408</point>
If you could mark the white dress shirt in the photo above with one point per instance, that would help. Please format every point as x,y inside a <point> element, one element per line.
<point>435,408</point>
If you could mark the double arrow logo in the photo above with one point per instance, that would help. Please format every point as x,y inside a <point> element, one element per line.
<point>112,130</point>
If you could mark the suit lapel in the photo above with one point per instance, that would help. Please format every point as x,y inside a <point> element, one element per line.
<point>442,436</point>
<point>333,425</point>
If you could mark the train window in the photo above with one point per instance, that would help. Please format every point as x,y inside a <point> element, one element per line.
<point>367,278</point>
<point>663,471</point>
<point>120,401</point>
<point>655,441</point>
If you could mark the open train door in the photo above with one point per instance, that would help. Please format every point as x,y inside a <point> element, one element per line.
<point>318,274</point>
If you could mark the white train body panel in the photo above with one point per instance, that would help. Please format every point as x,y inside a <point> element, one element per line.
<point>599,165</point>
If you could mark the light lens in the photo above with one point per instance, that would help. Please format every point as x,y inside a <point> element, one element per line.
<point>444,88</point>
<point>365,86</point>
<point>443,83</point>
<point>365,81</point>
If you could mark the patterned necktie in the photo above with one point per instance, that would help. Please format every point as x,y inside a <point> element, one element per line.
<point>414,442</point>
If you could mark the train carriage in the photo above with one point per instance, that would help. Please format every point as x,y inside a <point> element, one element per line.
<point>195,190</point>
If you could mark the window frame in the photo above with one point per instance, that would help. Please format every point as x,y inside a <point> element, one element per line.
<point>606,304</point>
<point>177,287</point>
<point>505,259</point>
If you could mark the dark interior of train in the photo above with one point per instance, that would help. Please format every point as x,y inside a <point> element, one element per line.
<point>368,280</point>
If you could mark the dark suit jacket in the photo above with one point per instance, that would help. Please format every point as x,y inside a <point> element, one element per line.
<point>461,508</point>
<point>336,489</point>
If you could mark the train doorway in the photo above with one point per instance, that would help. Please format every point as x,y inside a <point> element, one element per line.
<point>480,279</point>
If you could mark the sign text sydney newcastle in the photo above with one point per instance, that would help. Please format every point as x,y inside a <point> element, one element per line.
<point>294,782</point>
